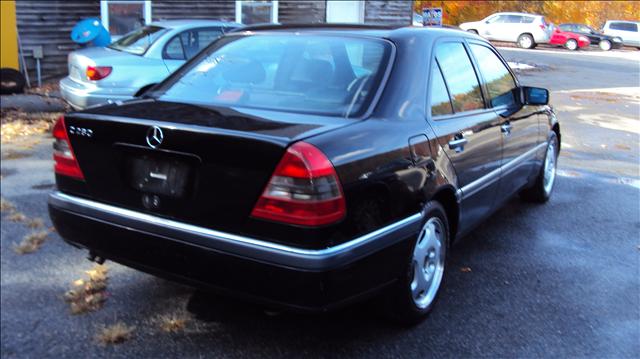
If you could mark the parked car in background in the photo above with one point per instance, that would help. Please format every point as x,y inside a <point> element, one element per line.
<point>308,166</point>
<point>569,40</point>
<point>526,30</point>
<point>629,31</point>
<point>605,42</point>
<point>136,61</point>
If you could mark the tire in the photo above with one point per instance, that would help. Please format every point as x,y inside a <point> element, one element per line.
<point>405,302</point>
<point>542,189</point>
<point>526,41</point>
<point>473,31</point>
<point>12,81</point>
<point>571,44</point>
<point>605,45</point>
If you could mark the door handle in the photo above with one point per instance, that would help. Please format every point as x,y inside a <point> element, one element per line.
<point>458,144</point>
<point>506,128</point>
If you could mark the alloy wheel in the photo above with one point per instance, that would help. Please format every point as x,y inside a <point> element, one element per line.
<point>525,42</point>
<point>550,167</point>
<point>571,45</point>
<point>428,262</point>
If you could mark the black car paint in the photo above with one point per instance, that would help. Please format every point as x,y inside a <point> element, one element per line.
<point>594,36</point>
<point>389,164</point>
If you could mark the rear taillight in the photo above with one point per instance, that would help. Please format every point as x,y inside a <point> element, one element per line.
<point>543,26</point>
<point>95,73</point>
<point>303,190</point>
<point>65,160</point>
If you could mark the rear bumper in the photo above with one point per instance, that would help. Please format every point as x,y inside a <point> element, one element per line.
<point>310,280</point>
<point>81,96</point>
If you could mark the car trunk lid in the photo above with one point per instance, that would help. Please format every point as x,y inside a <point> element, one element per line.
<point>78,61</point>
<point>201,165</point>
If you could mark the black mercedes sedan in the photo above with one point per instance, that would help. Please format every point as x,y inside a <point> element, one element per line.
<point>604,42</point>
<point>307,167</point>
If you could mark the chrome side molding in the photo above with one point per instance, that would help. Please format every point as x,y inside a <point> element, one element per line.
<point>474,187</point>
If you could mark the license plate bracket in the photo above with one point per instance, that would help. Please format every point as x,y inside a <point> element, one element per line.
<point>165,177</point>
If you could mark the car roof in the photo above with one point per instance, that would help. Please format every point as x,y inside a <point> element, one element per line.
<point>380,31</point>
<point>188,23</point>
<point>515,13</point>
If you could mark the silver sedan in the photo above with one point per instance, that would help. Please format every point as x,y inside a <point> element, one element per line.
<point>137,61</point>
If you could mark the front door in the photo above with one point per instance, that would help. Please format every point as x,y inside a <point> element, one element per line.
<point>518,124</point>
<point>468,132</point>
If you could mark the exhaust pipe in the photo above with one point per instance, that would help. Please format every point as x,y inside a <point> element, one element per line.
<point>95,258</point>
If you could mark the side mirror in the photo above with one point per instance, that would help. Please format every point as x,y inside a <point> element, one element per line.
<point>535,95</point>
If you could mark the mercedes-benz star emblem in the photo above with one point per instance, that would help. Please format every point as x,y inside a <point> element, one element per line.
<point>154,136</point>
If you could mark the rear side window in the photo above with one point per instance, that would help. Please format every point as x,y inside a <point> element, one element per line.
<point>624,26</point>
<point>498,79</point>
<point>527,19</point>
<point>328,75</point>
<point>188,43</point>
<point>440,102</point>
<point>514,19</point>
<point>459,76</point>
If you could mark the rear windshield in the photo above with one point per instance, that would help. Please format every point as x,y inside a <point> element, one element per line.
<point>329,75</point>
<point>138,41</point>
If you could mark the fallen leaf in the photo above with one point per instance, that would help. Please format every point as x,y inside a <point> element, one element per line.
<point>115,334</point>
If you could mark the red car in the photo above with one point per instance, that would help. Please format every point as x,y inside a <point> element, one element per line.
<point>569,40</point>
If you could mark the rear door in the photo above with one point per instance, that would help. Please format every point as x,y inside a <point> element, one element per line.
<point>518,124</point>
<point>187,44</point>
<point>468,132</point>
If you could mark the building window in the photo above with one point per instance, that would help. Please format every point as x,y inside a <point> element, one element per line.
<point>345,11</point>
<point>256,11</point>
<point>121,17</point>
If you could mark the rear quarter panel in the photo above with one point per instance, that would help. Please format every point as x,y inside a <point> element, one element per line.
<point>373,157</point>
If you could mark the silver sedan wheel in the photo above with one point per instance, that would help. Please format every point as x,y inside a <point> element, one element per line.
<point>550,167</point>
<point>428,262</point>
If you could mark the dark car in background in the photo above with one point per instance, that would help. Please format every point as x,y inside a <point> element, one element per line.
<point>307,167</point>
<point>605,42</point>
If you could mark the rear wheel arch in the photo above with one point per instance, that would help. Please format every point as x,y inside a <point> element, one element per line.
<point>447,198</point>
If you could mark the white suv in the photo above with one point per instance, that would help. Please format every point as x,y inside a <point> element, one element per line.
<point>629,31</point>
<point>526,30</point>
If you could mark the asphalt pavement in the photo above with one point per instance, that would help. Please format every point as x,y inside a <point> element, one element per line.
<point>555,280</point>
